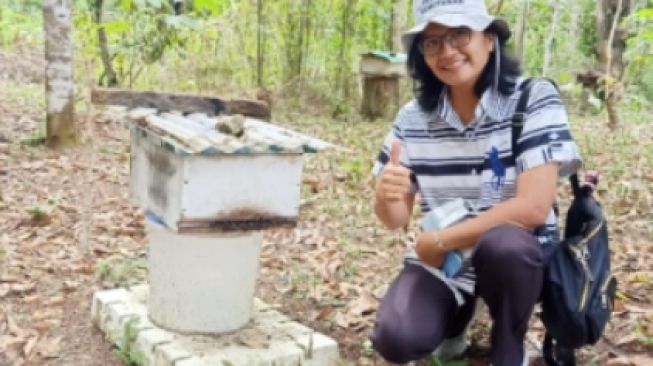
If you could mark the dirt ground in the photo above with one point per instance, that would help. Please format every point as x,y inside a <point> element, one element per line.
<point>67,229</point>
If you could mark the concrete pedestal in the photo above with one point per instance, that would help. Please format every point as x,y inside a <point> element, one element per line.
<point>201,283</point>
<point>270,338</point>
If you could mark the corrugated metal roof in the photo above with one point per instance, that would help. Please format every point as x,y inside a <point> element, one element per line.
<point>233,134</point>
<point>395,58</point>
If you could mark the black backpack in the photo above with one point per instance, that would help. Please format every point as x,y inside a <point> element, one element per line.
<point>579,289</point>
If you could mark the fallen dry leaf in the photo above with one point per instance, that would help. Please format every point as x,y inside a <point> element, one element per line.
<point>55,300</point>
<point>324,314</point>
<point>626,339</point>
<point>22,288</point>
<point>253,339</point>
<point>637,309</point>
<point>49,348</point>
<point>366,303</point>
<point>12,347</point>
<point>9,278</point>
<point>47,324</point>
<point>620,361</point>
<point>342,320</point>
<point>4,290</point>
<point>69,286</point>
<point>29,346</point>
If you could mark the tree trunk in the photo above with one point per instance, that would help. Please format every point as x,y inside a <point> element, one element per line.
<point>398,24</point>
<point>304,30</point>
<point>259,43</point>
<point>380,96</point>
<point>521,30</point>
<point>59,82</point>
<point>344,61</point>
<point>612,45</point>
<point>611,36</point>
<point>574,28</point>
<point>109,73</point>
<point>548,45</point>
<point>294,45</point>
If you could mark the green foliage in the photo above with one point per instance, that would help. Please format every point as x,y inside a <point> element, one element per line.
<point>36,139</point>
<point>374,24</point>
<point>126,351</point>
<point>357,169</point>
<point>310,48</point>
<point>40,212</point>
<point>119,271</point>
<point>18,25</point>
<point>643,329</point>
<point>639,54</point>
<point>435,361</point>
<point>139,31</point>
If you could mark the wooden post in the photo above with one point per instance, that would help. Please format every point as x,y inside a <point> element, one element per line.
<point>380,96</point>
<point>180,102</point>
<point>59,82</point>
<point>381,72</point>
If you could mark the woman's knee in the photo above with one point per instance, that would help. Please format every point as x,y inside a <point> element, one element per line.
<point>507,247</point>
<point>400,345</point>
<point>412,317</point>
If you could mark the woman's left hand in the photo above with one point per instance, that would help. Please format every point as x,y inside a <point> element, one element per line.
<point>428,251</point>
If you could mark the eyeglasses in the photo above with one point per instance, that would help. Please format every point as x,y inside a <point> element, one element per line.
<point>456,38</point>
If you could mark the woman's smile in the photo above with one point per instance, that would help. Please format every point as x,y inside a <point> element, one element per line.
<point>453,65</point>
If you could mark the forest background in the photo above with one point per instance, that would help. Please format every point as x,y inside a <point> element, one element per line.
<point>63,238</point>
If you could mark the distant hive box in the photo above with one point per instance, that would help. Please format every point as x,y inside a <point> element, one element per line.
<point>381,71</point>
<point>196,178</point>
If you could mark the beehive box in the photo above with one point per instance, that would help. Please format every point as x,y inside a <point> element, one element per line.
<point>198,178</point>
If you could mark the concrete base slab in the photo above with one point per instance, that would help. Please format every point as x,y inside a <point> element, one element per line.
<point>269,339</point>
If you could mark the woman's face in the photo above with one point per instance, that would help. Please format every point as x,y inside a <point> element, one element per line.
<point>459,65</point>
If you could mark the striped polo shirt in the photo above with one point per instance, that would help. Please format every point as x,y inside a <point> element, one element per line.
<point>450,160</point>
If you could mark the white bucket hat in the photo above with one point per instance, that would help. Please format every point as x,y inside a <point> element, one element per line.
<point>452,13</point>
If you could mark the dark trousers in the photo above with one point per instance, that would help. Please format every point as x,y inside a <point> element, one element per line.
<point>419,311</point>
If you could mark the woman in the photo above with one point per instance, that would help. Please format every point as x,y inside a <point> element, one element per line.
<point>453,144</point>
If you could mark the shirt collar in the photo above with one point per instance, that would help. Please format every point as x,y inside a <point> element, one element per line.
<point>489,107</point>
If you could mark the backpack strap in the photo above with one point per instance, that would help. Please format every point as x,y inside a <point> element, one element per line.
<point>520,114</point>
<point>575,185</point>
<point>519,118</point>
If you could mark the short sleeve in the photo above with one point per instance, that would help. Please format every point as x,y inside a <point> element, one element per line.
<point>546,136</point>
<point>395,133</point>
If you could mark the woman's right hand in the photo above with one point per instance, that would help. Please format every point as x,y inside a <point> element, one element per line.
<point>394,183</point>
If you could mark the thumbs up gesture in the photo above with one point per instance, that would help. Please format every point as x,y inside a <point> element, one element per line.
<point>394,183</point>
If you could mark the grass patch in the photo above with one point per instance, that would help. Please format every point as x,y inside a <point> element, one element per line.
<point>126,351</point>
<point>117,271</point>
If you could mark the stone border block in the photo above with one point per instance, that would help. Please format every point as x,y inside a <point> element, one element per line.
<point>270,339</point>
<point>169,354</point>
<point>101,301</point>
